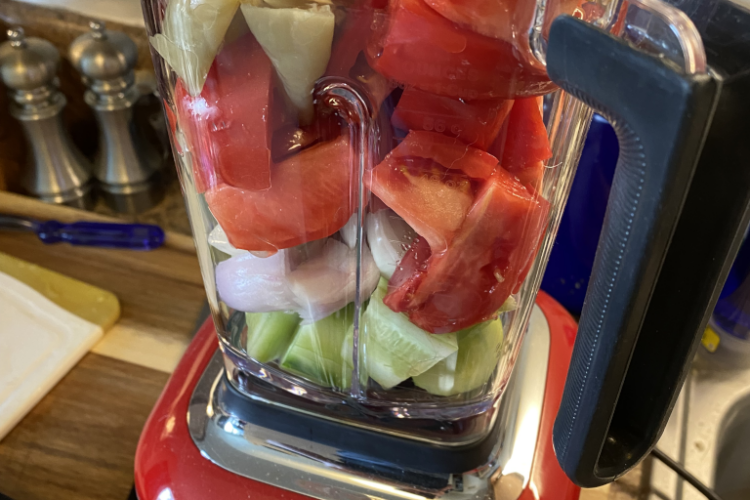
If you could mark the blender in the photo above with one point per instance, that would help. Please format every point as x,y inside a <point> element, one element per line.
<point>374,190</point>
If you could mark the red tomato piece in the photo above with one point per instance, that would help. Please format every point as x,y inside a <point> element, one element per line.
<point>430,198</point>
<point>508,20</point>
<point>531,176</point>
<point>450,153</point>
<point>347,54</point>
<point>522,145</point>
<point>230,124</point>
<point>418,47</point>
<point>476,123</point>
<point>376,204</point>
<point>311,197</point>
<point>291,138</point>
<point>488,259</point>
<point>350,40</point>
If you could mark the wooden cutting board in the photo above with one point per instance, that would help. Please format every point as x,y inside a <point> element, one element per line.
<point>85,301</point>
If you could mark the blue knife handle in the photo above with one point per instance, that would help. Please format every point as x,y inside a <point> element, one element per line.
<point>102,234</point>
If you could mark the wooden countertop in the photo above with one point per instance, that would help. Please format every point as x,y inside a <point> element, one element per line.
<point>79,441</point>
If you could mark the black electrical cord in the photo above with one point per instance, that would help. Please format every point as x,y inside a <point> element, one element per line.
<point>684,474</point>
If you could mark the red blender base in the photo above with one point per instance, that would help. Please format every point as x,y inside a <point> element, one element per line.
<point>169,465</point>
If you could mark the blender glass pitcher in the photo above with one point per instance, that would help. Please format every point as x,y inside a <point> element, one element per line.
<point>374,189</point>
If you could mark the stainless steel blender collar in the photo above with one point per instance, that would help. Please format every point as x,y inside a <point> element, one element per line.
<point>239,433</point>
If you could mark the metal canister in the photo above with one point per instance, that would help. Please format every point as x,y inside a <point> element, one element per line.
<point>127,166</point>
<point>56,171</point>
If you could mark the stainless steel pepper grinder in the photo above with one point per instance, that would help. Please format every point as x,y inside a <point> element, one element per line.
<point>127,165</point>
<point>56,171</point>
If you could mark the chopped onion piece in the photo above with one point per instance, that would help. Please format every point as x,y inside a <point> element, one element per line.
<point>389,237</point>
<point>327,283</point>
<point>349,232</point>
<point>314,288</point>
<point>251,284</point>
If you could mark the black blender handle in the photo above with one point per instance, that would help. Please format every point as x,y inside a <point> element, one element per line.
<point>660,116</point>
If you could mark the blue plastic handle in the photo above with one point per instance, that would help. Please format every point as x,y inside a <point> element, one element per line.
<point>102,234</point>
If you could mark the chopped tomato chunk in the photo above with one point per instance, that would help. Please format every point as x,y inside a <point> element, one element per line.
<point>522,145</point>
<point>476,123</point>
<point>311,197</point>
<point>229,125</point>
<point>432,199</point>
<point>450,153</point>
<point>486,261</point>
<point>418,47</point>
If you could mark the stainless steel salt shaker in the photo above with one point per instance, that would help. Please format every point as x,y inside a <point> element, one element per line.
<point>56,171</point>
<point>127,165</point>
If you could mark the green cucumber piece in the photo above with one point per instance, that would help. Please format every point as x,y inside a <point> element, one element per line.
<point>395,349</point>
<point>469,367</point>
<point>316,351</point>
<point>269,334</point>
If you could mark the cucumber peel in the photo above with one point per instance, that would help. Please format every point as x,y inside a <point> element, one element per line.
<point>468,368</point>
<point>316,351</point>
<point>269,334</point>
<point>394,349</point>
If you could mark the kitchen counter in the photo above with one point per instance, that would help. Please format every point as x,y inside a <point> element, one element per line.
<point>79,441</point>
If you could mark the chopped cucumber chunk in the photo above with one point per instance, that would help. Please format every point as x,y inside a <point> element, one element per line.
<point>394,349</point>
<point>469,367</point>
<point>316,351</point>
<point>269,334</point>
<point>192,32</point>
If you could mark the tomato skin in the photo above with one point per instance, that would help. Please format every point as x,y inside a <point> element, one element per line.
<point>501,19</point>
<point>450,153</point>
<point>427,180</point>
<point>526,141</point>
<point>458,287</point>
<point>229,126</point>
<point>523,145</point>
<point>350,40</point>
<point>475,123</point>
<point>430,198</point>
<point>420,48</point>
<point>376,204</point>
<point>311,197</point>
<point>347,54</point>
<point>531,175</point>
